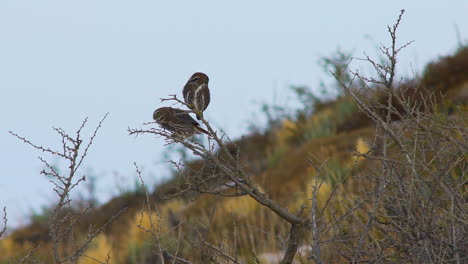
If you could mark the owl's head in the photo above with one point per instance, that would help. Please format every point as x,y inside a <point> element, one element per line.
<point>199,78</point>
<point>161,114</point>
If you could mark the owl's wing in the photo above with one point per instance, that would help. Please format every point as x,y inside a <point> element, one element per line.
<point>185,116</point>
<point>206,95</point>
<point>202,97</point>
<point>188,92</point>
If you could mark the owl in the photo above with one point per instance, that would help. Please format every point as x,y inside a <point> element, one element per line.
<point>197,94</point>
<point>177,121</point>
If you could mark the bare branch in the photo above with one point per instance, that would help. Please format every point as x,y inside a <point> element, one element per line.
<point>3,230</point>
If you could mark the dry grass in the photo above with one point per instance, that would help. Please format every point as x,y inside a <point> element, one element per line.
<point>406,208</point>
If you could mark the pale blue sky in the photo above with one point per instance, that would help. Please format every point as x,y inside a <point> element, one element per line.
<point>61,61</point>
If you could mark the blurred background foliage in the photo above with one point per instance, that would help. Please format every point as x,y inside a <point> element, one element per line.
<point>327,126</point>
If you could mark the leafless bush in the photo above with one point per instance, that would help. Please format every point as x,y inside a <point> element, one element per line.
<point>416,211</point>
<point>162,254</point>
<point>413,189</point>
<point>226,161</point>
<point>67,245</point>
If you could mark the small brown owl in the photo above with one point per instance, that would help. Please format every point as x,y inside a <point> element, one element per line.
<point>177,121</point>
<point>196,93</point>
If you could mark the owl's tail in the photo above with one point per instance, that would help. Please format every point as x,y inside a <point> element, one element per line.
<point>201,130</point>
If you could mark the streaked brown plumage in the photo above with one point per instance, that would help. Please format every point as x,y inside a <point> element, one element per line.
<point>197,94</point>
<point>177,121</point>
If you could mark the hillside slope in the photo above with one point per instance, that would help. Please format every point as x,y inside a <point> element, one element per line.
<point>278,160</point>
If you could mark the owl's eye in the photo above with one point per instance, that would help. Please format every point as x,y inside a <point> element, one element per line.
<point>194,79</point>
